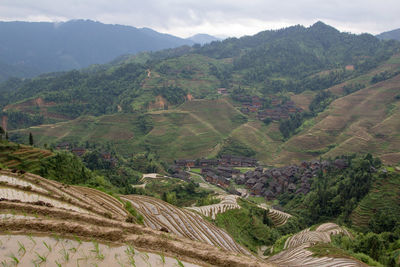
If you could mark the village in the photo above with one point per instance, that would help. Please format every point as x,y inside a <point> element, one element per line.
<point>80,151</point>
<point>274,108</point>
<point>258,181</point>
<point>215,171</point>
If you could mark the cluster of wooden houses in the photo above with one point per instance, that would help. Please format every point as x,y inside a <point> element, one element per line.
<point>220,176</point>
<point>80,151</point>
<point>251,104</point>
<point>225,160</point>
<point>219,172</point>
<point>293,179</point>
<point>277,110</point>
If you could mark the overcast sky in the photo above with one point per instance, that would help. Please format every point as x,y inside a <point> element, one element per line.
<point>216,17</point>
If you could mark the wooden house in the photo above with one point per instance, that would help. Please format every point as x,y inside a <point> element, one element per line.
<point>79,151</point>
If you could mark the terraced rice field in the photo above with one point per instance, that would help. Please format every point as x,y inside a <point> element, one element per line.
<point>35,189</point>
<point>278,217</point>
<point>300,256</point>
<point>296,251</point>
<point>161,215</point>
<point>14,156</point>
<point>384,195</point>
<point>321,234</point>
<point>55,251</point>
<point>46,223</point>
<point>228,202</point>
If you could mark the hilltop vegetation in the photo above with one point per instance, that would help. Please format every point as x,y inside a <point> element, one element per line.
<point>390,35</point>
<point>167,102</point>
<point>32,48</point>
<point>133,85</point>
<point>144,105</point>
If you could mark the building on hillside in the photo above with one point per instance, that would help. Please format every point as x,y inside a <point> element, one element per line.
<point>105,155</point>
<point>237,161</point>
<point>208,162</point>
<point>257,189</point>
<point>217,180</point>
<point>79,151</point>
<point>185,163</point>
<point>222,91</point>
<point>64,146</point>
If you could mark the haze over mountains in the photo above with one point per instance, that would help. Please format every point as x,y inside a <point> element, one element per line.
<point>203,38</point>
<point>296,63</point>
<point>394,35</point>
<point>30,48</point>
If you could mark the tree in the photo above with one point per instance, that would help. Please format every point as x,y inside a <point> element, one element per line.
<point>30,139</point>
<point>1,133</point>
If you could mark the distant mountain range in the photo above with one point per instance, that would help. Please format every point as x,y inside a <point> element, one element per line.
<point>394,34</point>
<point>203,38</point>
<point>30,48</point>
<point>144,102</point>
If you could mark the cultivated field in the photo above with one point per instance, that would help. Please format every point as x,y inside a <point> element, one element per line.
<point>161,215</point>
<point>47,223</point>
<point>383,196</point>
<point>296,251</point>
<point>365,121</point>
<point>16,156</point>
<point>227,203</point>
<point>36,250</point>
<point>277,217</point>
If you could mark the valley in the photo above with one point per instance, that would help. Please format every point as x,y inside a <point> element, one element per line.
<point>277,149</point>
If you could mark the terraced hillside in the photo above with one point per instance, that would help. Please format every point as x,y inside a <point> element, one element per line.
<point>51,223</point>
<point>161,215</point>
<point>384,197</point>
<point>21,156</point>
<point>193,130</point>
<point>24,250</point>
<point>296,251</point>
<point>278,217</point>
<point>228,202</point>
<point>365,121</point>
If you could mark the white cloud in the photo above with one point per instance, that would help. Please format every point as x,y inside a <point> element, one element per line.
<point>217,17</point>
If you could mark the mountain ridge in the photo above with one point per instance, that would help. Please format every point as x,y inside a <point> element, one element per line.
<point>50,47</point>
<point>390,35</point>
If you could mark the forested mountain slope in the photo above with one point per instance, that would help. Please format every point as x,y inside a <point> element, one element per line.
<point>362,121</point>
<point>31,48</point>
<point>338,87</point>
<point>394,35</point>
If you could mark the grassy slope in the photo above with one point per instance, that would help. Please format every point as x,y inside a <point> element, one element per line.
<point>192,130</point>
<point>21,156</point>
<point>198,81</point>
<point>191,72</point>
<point>365,121</point>
<point>384,195</point>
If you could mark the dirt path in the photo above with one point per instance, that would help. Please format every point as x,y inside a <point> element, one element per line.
<point>204,184</point>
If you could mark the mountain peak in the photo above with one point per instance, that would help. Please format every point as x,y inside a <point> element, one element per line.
<point>203,38</point>
<point>319,25</point>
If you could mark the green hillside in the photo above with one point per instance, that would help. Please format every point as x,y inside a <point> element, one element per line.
<point>168,102</point>
<point>22,157</point>
<point>380,209</point>
<point>294,59</point>
<point>194,129</point>
<point>363,121</point>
